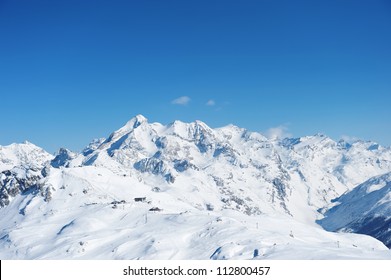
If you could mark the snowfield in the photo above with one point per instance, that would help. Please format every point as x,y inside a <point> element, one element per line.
<point>186,191</point>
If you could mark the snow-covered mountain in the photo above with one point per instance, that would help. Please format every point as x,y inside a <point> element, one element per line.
<point>21,167</point>
<point>25,154</point>
<point>185,190</point>
<point>366,209</point>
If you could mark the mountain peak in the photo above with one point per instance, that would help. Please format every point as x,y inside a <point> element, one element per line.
<point>132,124</point>
<point>201,123</point>
<point>136,121</point>
<point>24,153</point>
<point>25,146</point>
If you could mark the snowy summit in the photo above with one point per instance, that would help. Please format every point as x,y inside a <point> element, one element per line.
<point>187,191</point>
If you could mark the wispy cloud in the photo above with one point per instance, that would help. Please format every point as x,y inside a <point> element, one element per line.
<point>349,139</point>
<point>183,100</point>
<point>211,102</point>
<point>279,132</point>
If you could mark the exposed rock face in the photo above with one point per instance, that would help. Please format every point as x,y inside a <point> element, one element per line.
<point>63,157</point>
<point>19,181</point>
<point>22,167</point>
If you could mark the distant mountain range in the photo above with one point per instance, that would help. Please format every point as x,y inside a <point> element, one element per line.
<point>187,191</point>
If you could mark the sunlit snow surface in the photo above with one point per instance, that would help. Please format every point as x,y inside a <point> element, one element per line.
<point>25,154</point>
<point>366,209</point>
<point>204,194</point>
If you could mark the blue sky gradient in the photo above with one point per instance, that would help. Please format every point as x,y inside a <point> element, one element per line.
<point>74,70</point>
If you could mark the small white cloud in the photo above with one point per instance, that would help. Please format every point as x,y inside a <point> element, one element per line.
<point>183,100</point>
<point>211,102</point>
<point>279,132</point>
<point>349,139</point>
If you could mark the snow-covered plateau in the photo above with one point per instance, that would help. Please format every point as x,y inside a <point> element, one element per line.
<point>187,191</point>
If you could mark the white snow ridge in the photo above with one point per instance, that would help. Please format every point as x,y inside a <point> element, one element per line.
<point>187,191</point>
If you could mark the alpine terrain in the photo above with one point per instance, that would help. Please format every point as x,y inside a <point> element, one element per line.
<point>187,191</point>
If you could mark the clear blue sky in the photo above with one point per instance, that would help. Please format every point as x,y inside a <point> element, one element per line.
<point>75,70</point>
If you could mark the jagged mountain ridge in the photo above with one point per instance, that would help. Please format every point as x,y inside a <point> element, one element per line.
<point>21,168</point>
<point>25,154</point>
<point>190,170</point>
<point>325,168</point>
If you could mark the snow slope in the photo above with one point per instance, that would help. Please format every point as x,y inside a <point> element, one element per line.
<point>366,209</point>
<point>187,191</point>
<point>99,219</point>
